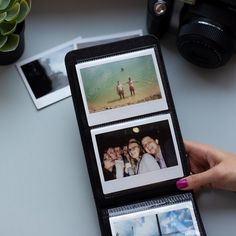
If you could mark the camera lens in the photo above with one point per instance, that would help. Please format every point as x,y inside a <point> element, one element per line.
<point>204,43</point>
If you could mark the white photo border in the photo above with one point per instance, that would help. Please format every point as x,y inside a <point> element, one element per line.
<point>120,113</point>
<point>156,211</point>
<point>109,37</point>
<point>55,96</point>
<point>130,182</point>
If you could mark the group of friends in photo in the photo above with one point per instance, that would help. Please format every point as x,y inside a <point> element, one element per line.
<point>136,157</point>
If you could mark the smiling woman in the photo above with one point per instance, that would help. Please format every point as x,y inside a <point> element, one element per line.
<point>145,162</point>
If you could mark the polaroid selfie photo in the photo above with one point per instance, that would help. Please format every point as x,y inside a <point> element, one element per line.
<point>136,153</point>
<point>131,136</point>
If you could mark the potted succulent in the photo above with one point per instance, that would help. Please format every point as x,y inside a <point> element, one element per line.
<point>12,24</point>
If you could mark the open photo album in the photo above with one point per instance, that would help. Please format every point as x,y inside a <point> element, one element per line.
<point>131,139</point>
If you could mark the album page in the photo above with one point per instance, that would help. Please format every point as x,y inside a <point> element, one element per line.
<point>171,215</point>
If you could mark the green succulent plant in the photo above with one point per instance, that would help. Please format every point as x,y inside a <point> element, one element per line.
<point>12,12</point>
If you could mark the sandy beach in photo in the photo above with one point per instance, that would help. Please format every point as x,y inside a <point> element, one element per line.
<point>128,100</point>
<point>100,83</point>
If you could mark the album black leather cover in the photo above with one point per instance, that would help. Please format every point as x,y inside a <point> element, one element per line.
<point>131,139</point>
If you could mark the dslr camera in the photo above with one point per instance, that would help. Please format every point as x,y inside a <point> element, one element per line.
<point>206,29</point>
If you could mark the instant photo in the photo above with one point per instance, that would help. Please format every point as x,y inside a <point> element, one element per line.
<point>155,218</point>
<point>98,40</point>
<point>45,75</point>
<point>136,153</point>
<point>121,86</point>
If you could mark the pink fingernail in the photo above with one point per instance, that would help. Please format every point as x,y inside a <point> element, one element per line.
<point>182,183</point>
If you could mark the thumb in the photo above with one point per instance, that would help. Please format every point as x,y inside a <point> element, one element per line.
<point>196,181</point>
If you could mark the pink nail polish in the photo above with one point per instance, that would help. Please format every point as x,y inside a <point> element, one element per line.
<point>182,183</point>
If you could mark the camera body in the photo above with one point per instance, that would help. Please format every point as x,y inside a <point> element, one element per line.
<point>206,34</point>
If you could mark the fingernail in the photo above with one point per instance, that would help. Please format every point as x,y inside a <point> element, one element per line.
<point>182,183</point>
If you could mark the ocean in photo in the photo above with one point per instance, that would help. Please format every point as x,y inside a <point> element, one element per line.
<point>100,82</point>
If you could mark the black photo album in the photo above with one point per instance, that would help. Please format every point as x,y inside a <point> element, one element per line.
<point>131,139</point>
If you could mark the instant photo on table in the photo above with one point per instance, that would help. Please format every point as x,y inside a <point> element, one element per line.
<point>131,139</point>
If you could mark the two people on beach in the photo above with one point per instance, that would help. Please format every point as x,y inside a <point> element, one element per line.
<point>120,89</point>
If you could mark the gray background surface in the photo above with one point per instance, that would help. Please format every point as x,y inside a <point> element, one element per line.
<point>44,183</point>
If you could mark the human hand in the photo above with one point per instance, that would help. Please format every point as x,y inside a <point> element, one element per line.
<point>211,167</point>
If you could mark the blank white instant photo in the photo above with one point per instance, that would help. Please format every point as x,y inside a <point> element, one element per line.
<point>44,74</point>
<point>102,80</point>
<point>176,219</point>
<point>159,127</point>
<point>91,41</point>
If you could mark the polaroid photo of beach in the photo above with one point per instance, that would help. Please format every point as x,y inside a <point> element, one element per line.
<point>122,86</point>
<point>44,74</point>
<point>136,153</point>
<point>173,220</point>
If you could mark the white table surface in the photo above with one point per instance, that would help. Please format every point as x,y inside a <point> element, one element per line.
<point>44,183</point>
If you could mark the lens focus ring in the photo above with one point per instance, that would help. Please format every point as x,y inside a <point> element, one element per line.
<point>204,44</point>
